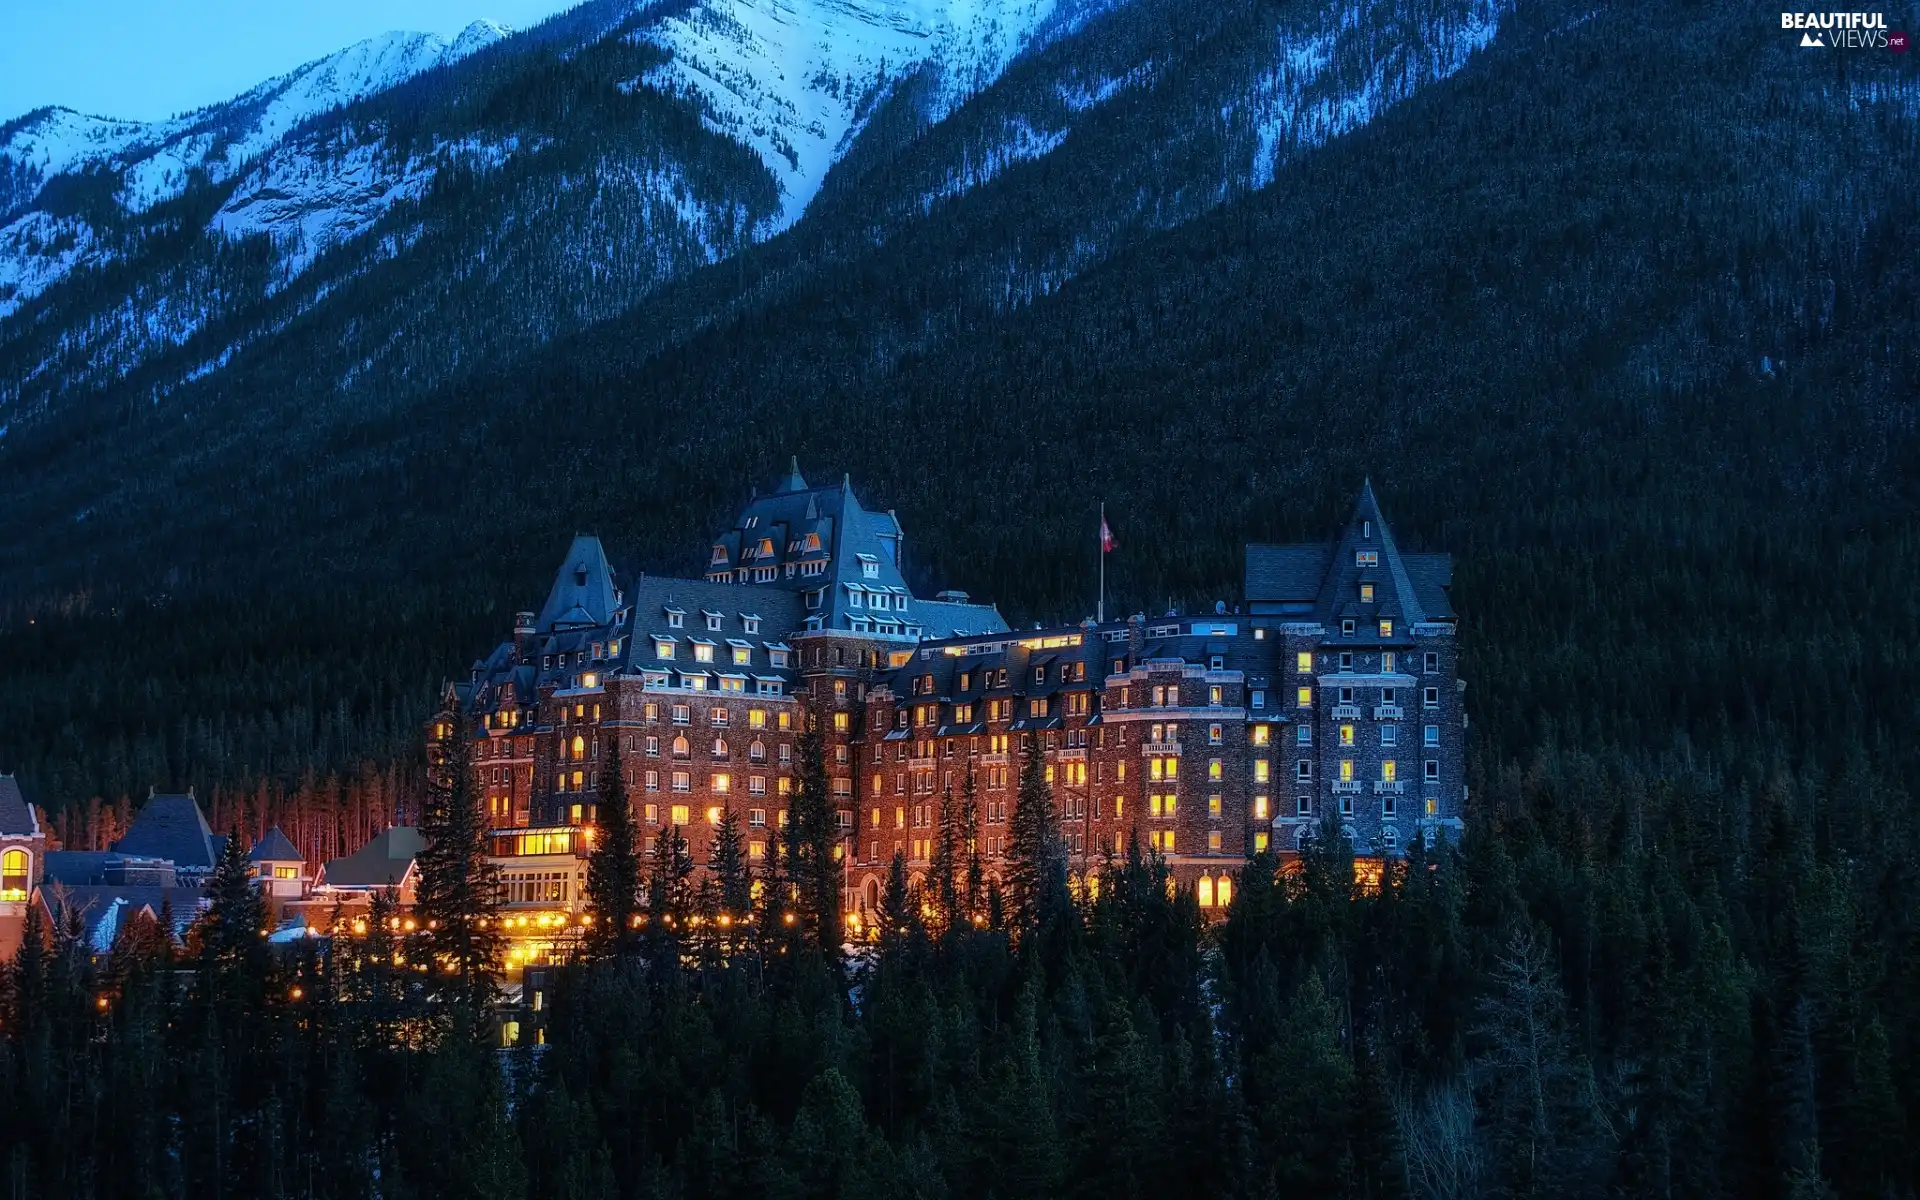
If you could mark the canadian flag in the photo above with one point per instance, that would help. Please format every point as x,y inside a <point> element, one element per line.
<point>1108,543</point>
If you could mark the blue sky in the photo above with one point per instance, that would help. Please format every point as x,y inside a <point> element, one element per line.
<point>152,58</point>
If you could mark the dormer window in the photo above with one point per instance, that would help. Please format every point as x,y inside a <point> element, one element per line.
<point>1366,593</point>
<point>675,618</point>
<point>663,647</point>
<point>1386,628</point>
<point>749,623</point>
<point>713,620</point>
<point>719,554</point>
<point>1366,558</point>
<point>813,601</point>
<point>811,542</point>
<point>1346,627</point>
<point>854,597</point>
<point>869,566</point>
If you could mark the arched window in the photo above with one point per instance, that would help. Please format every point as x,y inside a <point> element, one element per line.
<point>680,747</point>
<point>579,748</point>
<point>1223,892</point>
<point>13,875</point>
<point>719,747</point>
<point>757,752</point>
<point>1205,891</point>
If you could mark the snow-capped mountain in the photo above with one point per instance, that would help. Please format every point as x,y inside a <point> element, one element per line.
<point>389,200</point>
<point>151,162</point>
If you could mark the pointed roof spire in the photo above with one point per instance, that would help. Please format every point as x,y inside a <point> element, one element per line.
<point>582,592</point>
<point>794,482</point>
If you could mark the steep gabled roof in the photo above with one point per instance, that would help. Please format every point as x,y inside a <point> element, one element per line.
<point>172,827</point>
<point>382,862</point>
<point>16,815</point>
<point>274,847</point>
<point>582,592</point>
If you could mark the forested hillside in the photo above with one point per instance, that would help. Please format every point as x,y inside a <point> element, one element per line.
<point>1621,313</point>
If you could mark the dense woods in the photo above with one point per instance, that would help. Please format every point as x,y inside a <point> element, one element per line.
<point>1622,316</point>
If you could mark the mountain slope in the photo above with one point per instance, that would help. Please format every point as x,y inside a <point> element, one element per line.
<point>1559,305</point>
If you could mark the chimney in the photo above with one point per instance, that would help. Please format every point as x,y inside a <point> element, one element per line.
<point>523,634</point>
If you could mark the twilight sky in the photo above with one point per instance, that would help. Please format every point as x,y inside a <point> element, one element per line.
<point>148,59</point>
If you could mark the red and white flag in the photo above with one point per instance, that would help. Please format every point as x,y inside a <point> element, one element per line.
<point>1108,543</point>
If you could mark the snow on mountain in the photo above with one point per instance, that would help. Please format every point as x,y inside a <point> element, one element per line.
<point>36,251</point>
<point>1334,79</point>
<point>155,159</point>
<point>794,79</point>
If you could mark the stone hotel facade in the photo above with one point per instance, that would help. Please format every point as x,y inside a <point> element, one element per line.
<point>1333,688</point>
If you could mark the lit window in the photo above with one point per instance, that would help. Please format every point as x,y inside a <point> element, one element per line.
<point>840,722</point>
<point>1346,770</point>
<point>1366,558</point>
<point>1213,807</point>
<point>14,875</point>
<point>1388,770</point>
<point>1260,842</point>
<point>1259,808</point>
<point>679,815</point>
<point>1260,735</point>
<point>1204,892</point>
<point>1303,662</point>
<point>1305,697</point>
<point>1346,735</point>
<point>1213,695</point>
<point>1223,892</point>
<point>1386,628</point>
<point>1260,770</point>
<point>703,652</point>
<point>722,782</point>
<point>1433,805</point>
<point>663,648</point>
<point>1366,593</point>
<point>1386,663</point>
<point>1213,734</point>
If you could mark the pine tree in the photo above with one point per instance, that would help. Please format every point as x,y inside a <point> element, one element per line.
<point>670,894</point>
<point>1036,861</point>
<point>229,935</point>
<point>732,878</point>
<point>942,873</point>
<point>973,893</point>
<point>458,901</point>
<point>613,867</point>
<point>810,837</point>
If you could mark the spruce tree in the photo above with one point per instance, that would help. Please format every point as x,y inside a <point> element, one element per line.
<point>231,945</point>
<point>732,879</point>
<point>1036,861</point>
<point>943,884</point>
<point>810,837</point>
<point>973,882</point>
<point>457,904</point>
<point>613,867</point>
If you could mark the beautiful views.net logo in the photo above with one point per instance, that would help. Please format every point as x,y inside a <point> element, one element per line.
<point>1843,30</point>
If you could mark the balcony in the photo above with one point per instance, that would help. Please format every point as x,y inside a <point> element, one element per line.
<point>1346,712</point>
<point>1342,786</point>
<point>1159,748</point>
<point>1389,787</point>
<point>1387,712</point>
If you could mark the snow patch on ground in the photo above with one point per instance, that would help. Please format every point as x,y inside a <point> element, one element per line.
<point>1334,79</point>
<point>1079,95</point>
<point>37,251</point>
<point>1018,143</point>
<point>310,197</point>
<point>789,77</point>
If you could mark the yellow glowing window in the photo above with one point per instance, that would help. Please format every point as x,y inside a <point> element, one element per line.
<point>876,818</point>
<point>286,872</point>
<point>742,656</point>
<point>1386,628</point>
<point>679,814</point>
<point>1260,843</point>
<point>579,748</point>
<point>1119,806</point>
<point>1388,770</point>
<point>756,850</point>
<point>1215,770</point>
<point>663,648</point>
<point>1213,839</point>
<point>1346,735</point>
<point>579,780</point>
<point>722,782</point>
<point>1259,808</point>
<point>13,875</point>
<point>1223,892</point>
<point>1366,593</point>
<point>1213,806</point>
<point>1260,735</point>
<point>1305,699</point>
<point>590,679</point>
<point>840,722</point>
<point>1433,807</point>
<point>900,817</point>
<point>1261,770</point>
<point>702,652</point>
<point>1205,892</point>
<point>1346,770</point>
<point>1303,662</point>
<point>756,718</point>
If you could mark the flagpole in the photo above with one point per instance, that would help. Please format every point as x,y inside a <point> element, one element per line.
<point>1100,614</point>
